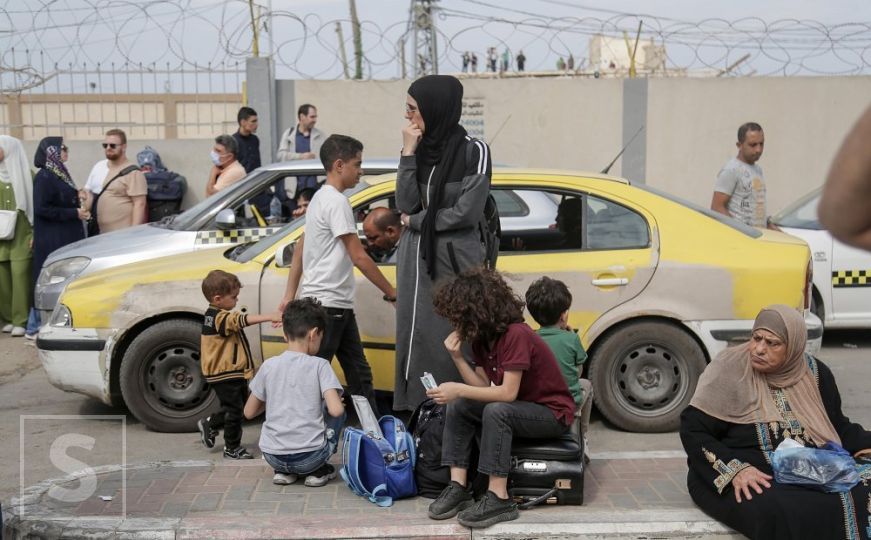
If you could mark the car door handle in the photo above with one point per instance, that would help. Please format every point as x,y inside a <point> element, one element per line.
<point>610,282</point>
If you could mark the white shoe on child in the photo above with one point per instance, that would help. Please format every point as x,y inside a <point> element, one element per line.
<point>8,328</point>
<point>283,479</point>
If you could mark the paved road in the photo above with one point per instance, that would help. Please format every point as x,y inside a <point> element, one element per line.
<point>26,392</point>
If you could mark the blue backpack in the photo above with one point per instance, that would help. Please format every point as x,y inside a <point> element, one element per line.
<point>380,469</point>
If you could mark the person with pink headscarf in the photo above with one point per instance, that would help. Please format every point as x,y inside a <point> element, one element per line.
<point>751,398</point>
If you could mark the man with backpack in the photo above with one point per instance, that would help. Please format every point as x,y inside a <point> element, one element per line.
<point>166,189</point>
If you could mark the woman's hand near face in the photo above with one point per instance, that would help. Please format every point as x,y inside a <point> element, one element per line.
<point>411,135</point>
<point>453,344</point>
<point>747,479</point>
<point>445,392</point>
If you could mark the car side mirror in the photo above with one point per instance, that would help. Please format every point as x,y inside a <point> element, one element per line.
<point>226,219</point>
<point>284,255</point>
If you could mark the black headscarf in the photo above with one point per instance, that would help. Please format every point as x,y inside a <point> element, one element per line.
<point>440,102</point>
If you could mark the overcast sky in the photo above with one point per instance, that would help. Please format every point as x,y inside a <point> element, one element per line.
<point>782,36</point>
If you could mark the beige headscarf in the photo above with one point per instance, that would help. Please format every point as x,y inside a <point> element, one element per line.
<point>731,390</point>
<point>14,170</point>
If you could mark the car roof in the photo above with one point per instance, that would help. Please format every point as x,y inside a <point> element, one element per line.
<point>385,165</point>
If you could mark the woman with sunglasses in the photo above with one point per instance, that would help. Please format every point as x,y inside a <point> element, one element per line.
<point>57,213</point>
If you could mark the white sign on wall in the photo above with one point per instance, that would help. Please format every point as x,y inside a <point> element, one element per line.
<point>472,117</point>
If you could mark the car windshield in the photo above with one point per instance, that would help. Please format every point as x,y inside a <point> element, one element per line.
<point>752,232</point>
<point>802,214</point>
<point>191,218</point>
<point>256,248</point>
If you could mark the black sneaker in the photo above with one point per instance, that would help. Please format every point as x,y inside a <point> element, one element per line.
<point>237,453</point>
<point>320,476</point>
<point>207,434</point>
<point>490,510</point>
<point>451,500</point>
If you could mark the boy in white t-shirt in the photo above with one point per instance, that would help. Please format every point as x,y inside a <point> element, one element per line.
<point>325,259</point>
<point>301,397</point>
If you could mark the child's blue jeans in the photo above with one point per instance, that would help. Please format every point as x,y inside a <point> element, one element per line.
<point>307,462</point>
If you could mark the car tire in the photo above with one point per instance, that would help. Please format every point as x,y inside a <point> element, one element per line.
<point>160,377</point>
<point>644,375</point>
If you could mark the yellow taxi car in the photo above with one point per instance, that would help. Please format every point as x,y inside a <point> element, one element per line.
<point>659,287</point>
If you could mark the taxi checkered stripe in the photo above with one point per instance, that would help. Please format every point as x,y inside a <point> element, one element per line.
<point>851,278</point>
<point>237,236</point>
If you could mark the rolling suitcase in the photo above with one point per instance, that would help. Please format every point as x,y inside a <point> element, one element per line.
<point>547,471</point>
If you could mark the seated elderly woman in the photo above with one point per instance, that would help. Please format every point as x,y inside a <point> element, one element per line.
<point>748,400</point>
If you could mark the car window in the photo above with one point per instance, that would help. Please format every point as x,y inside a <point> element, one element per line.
<point>550,220</point>
<point>802,214</point>
<point>383,253</point>
<point>256,248</point>
<point>613,226</point>
<point>509,203</point>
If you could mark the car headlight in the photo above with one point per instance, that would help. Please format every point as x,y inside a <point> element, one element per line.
<point>61,316</point>
<point>62,270</point>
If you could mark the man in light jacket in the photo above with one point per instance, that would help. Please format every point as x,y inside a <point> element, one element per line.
<point>302,141</point>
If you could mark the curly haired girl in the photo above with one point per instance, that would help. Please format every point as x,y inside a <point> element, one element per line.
<point>514,388</point>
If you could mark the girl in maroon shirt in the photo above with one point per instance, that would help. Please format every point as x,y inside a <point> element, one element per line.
<point>514,388</point>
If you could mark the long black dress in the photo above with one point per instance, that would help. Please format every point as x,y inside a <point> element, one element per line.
<point>718,450</point>
<point>56,217</point>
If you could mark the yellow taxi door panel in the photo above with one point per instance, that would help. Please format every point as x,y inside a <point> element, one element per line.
<point>604,251</point>
<point>376,320</point>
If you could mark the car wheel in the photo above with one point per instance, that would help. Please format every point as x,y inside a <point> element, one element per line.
<point>160,377</point>
<point>644,374</point>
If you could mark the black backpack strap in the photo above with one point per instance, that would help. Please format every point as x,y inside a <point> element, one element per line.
<point>125,171</point>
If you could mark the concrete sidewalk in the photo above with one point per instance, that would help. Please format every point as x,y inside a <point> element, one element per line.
<point>626,496</point>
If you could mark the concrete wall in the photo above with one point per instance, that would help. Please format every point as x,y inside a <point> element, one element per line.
<point>561,123</point>
<point>574,123</point>
<point>692,125</point>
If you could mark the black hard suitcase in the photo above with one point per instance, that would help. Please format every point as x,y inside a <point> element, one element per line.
<point>547,471</point>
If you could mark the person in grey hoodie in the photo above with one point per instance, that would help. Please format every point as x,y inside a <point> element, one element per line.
<point>442,187</point>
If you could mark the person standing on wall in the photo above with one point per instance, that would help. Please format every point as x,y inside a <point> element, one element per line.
<point>739,191</point>
<point>442,187</point>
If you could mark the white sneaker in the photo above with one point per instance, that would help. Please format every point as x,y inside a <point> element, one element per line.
<point>282,479</point>
<point>17,331</point>
<point>8,328</point>
<point>31,337</point>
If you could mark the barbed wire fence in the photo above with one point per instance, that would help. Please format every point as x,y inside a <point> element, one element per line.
<point>192,46</point>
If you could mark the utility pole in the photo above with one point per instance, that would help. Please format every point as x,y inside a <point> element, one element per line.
<point>358,42</point>
<point>421,24</point>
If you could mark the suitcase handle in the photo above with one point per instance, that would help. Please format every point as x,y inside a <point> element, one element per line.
<point>537,500</point>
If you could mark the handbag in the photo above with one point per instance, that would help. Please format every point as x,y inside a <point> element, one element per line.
<point>8,219</point>
<point>93,226</point>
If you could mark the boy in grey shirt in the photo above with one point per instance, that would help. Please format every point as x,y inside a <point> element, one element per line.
<point>739,191</point>
<point>302,399</point>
